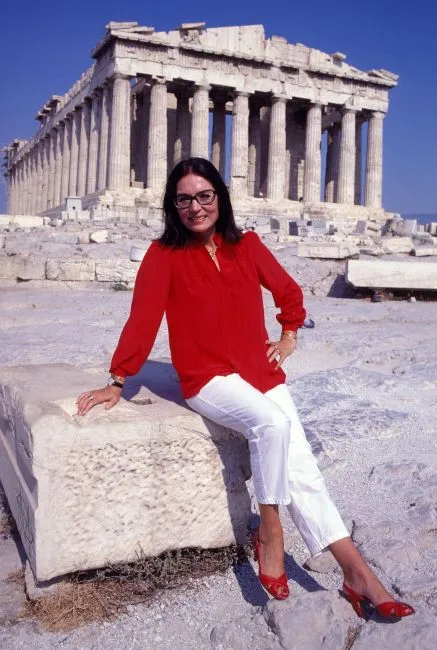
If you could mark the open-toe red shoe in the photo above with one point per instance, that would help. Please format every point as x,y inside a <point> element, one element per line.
<point>277,587</point>
<point>364,607</point>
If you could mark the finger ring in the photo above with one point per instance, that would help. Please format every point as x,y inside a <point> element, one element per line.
<point>278,357</point>
<point>90,397</point>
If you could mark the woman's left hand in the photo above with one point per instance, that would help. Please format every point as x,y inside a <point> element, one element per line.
<point>279,350</point>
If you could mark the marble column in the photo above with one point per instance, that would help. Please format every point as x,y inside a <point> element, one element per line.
<point>358,159</point>
<point>346,167</point>
<point>93,145</point>
<point>59,136</point>
<point>182,140</point>
<point>157,147</point>
<point>26,175</point>
<point>313,136</point>
<point>52,163</point>
<point>12,191</point>
<point>276,158</point>
<point>40,175</point>
<point>144,135</point>
<point>373,193</point>
<point>332,160</point>
<point>46,173</point>
<point>253,174</point>
<point>119,134</point>
<point>240,144</point>
<point>200,122</point>
<point>218,139</point>
<point>65,167</point>
<point>102,171</point>
<point>35,188</point>
<point>74,153</point>
<point>83,148</point>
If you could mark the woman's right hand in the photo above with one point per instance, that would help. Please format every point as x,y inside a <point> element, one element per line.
<point>109,395</point>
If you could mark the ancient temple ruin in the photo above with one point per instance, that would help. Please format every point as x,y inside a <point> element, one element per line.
<point>152,98</point>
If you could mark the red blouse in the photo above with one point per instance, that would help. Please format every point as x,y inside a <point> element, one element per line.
<point>215,318</point>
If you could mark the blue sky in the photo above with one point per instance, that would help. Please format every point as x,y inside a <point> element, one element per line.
<point>46,45</point>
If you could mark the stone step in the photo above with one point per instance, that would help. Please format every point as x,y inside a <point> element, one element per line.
<point>378,274</point>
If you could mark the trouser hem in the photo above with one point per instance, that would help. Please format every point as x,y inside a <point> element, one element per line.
<point>323,546</point>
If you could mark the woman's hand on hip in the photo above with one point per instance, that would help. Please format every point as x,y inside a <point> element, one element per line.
<point>278,351</point>
<point>109,395</point>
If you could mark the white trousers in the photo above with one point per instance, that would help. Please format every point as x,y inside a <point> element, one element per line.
<point>284,469</point>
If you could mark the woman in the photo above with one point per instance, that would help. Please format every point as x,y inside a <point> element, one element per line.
<point>206,275</point>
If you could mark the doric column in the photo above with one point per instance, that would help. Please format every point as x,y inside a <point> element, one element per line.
<point>157,149</point>
<point>65,167</point>
<point>74,153</point>
<point>21,196</point>
<point>312,173</point>
<point>253,174</point>
<point>46,172</point>
<point>40,175</point>
<point>119,134</point>
<point>240,144</point>
<point>218,139</point>
<point>346,167</point>
<point>102,173</point>
<point>35,188</point>
<point>276,160</point>
<point>59,137</point>
<point>182,140</point>
<point>332,160</point>
<point>200,122</point>
<point>358,159</point>
<point>144,135</point>
<point>93,147</point>
<point>83,148</point>
<point>51,169</point>
<point>25,192</point>
<point>373,194</point>
<point>11,193</point>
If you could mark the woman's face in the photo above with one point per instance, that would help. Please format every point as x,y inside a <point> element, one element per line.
<point>199,217</point>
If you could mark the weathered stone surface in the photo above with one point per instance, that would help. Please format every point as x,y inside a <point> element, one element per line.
<point>424,251</point>
<point>418,632</point>
<point>23,267</point>
<point>250,633</point>
<point>148,476</point>
<point>71,270</point>
<point>327,250</point>
<point>10,562</point>
<point>99,236</point>
<point>116,270</point>
<point>137,253</point>
<point>397,245</point>
<point>322,563</point>
<point>25,221</point>
<point>392,275</point>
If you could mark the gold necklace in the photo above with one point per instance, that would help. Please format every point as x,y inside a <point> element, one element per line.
<point>211,252</point>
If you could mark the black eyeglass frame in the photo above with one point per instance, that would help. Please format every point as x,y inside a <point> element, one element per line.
<point>194,196</point>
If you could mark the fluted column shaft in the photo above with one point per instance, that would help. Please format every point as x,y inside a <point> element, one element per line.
<point>65,167</point>
<point>312,172</point>
<point>51,168</point>
<point>358,159</point>
<point>93,147</point>
<point>74,153</point>
<point>83,148</point>
<point>40,175</point>
<point>157,147</point>
<point>373,193</point>
<point>46,172</point>
<point>26,174</point>
<point>102,173</point>
<point>218,136</point>
<point>119,134</point>
<point>240,144</point>
<point>200,122</point>
<point>11,194</point>
<point>182,140</point>
<point>59,136</point>
<point>346,167</point>
<point>254,154</point>
<point>332,160</point>
<point>276,158</point>
<point>34,188</point>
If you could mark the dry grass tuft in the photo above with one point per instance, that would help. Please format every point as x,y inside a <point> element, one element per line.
<point>95,596</point>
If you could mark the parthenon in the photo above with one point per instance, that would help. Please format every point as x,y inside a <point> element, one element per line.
<point>258,107</point>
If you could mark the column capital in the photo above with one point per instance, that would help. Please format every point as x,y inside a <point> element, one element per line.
<point>242,93</point>
<point>159,80</point>
<point>277,99</point>
<point>119,75</point>
<point>348,109</point>
<point>202,86</point>
<point>378,115</point>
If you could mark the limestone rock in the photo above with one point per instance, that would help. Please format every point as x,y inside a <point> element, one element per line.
<point>99,236</point>
<point>417,632</point>
<point>148,476</point>
<point>10,558</point>
<point>137,253</point>
<point>71,270</point>
<point>424,251</point>
<point>116,271</point>
<point>23,267</point>
<point>25,221</point>
<point>397,244</point>
<point>392,275</point>
<point>327,250</point>
<point>323,563</point>
<point>248,633</point>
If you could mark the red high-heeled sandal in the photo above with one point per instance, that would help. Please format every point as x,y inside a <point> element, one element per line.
<point>393,609</point>
<point>277,587</point>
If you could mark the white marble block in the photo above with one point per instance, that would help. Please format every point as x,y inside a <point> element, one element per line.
<point>147,476</point>
<point>392,275</point>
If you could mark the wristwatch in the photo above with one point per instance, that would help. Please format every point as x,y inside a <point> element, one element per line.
<point>115,381</point>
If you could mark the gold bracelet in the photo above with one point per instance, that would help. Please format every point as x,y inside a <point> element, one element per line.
<point>118,379</point>
<point>289,334</point>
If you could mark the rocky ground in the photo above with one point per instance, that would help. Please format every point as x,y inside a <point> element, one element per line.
<point>365,382</point>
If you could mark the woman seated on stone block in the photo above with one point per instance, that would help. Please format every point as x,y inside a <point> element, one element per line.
<point>206,276</point>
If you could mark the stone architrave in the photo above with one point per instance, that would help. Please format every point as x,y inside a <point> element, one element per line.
<point>240,144</point>
<point>346,167</point>
<point>157,148</point>
<point>276,155</point>
<point>74,153</point>
<point>200,122</point>
<point>312,173</point>
<point>358,159</point>
<point>65,168</point>
<point>373,192</point>
<point>332,160</point>
<point>59,137</point>
<point>102,176</point>
<point>253,175</point>
<point>93,146</point>
<point>119,134</point>
<point>218,140</point>
<point>182,140</point>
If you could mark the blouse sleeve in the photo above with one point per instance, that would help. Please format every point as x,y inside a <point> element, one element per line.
<point>148,306</point>
<point>287,294</point>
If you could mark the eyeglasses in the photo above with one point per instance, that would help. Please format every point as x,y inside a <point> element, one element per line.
<point>205,197</point>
